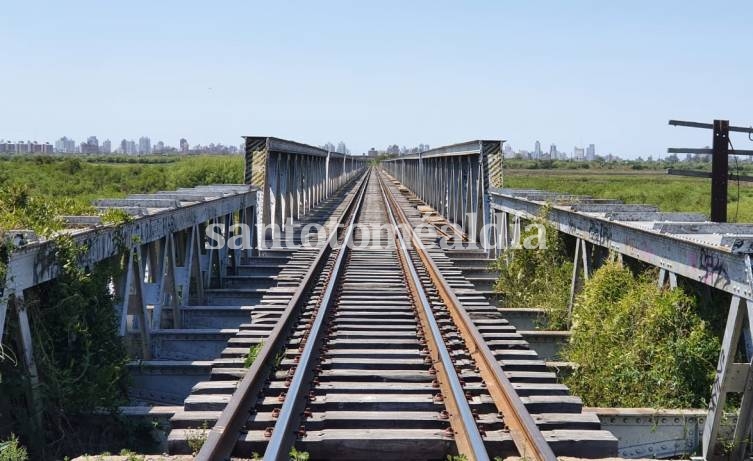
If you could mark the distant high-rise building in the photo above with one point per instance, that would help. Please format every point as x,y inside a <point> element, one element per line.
<point>579,153</point>
<point>65,145</point>
<point>373,152</point>
<point>7,147</point>
<point>91,146</point>
<point>183,145</point>
<point>106,147</point>
<point>159,147</point>
<point>128,147</point>
<point>553,152</point>
<point>507,150</point>
<point>145,145</point>
<point>590,152</point>
<point>537,150</point>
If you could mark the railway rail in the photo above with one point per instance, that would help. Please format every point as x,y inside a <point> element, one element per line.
<point>384,351</point>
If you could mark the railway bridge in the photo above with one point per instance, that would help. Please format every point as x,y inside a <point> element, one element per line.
<point>348,309</point>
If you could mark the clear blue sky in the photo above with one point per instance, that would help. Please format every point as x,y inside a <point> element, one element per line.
<point>377,73</point>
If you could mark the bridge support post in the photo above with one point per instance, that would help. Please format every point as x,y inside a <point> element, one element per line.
<point>160,290</point>
<point>130,290</point>
<point>580,261</point>
<point>505,231</point>
<point>27,347</point>
<point>667,276</point>
<point>731,377</point>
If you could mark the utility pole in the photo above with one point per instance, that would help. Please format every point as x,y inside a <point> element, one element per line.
<point>719,171</point>
<point>720,153</point>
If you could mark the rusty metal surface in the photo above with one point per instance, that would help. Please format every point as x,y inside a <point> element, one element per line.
<point>527,437</point>
<point>222,438</point>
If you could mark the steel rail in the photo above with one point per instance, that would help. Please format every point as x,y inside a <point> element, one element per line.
<point>278,448</point>
<point>526,435</point>
<point>223,436</point>
<point>469,440</point>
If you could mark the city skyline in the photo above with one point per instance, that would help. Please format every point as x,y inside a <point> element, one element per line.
<point>92,145</point>
<point>144,146</point>
<point>405,74</point>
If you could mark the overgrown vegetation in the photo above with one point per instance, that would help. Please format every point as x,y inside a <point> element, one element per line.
<point>195,438</point>
<point>296,455</point>
<point>11,450</point>
<point>251,355</point>
<point>638,345</point>
<point>537,277</point>
<point>634,344</point>
<point>35,191</point>
<point>79,356</point>
<point>80,359</point>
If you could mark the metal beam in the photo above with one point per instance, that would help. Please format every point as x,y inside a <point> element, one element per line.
<point>33,263</point>
<point>739,129</point>
<point>709,259</point>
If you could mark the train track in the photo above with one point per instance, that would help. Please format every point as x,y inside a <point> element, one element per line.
<point>377,357</point>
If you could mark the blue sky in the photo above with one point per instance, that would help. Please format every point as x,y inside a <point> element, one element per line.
<point>377,73</point>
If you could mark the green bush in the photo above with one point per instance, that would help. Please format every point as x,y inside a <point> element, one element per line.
<point>251,355</point>
<point>537,278</point>
<point>636,345</point>
<point>10,450</point>
<point>79,355</point>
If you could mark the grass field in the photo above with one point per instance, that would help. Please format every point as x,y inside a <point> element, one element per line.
<point>670,193</point>
<point>35,189</point>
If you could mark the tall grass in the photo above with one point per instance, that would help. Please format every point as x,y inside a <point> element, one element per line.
<point>636,345</point>
<point>34,190</point>
<point>670,193</point>
<point>537,278</point>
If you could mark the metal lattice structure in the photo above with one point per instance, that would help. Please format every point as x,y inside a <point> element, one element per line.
<point>455,180</point>
<point>293,177</point>
<point>680,245</point>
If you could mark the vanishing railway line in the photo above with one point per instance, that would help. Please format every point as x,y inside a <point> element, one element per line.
<point>376,355</point>
<point>380,350</point>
